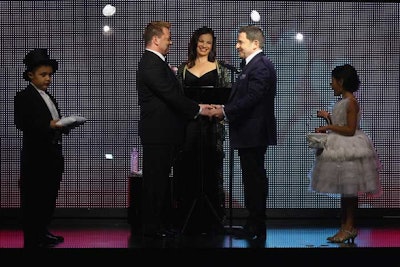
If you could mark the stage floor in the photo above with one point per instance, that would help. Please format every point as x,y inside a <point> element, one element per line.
<point>286,240</point>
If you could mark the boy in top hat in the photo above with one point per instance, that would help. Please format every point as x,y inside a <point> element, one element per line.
<point>36,113</point>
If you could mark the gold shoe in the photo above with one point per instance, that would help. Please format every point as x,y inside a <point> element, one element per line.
<point>347,237</point>
<point>330,238</point>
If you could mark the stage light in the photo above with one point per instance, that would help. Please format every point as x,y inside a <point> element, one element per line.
<point>106,29</point>
<point>109,10</point>
<point>255,16</point>
<point>299,37</point>
<point>109,156</point>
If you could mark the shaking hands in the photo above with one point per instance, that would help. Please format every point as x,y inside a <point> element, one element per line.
<point>212,111</point>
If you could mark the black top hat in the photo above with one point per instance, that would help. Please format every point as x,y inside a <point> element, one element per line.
<point>38,57</point>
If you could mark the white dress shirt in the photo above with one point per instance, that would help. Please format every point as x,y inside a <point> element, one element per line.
<point>49,103</point>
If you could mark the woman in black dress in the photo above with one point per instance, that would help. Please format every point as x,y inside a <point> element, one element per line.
<point>199,172</point>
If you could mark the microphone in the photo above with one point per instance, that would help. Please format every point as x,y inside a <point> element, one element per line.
<point>229,66</point>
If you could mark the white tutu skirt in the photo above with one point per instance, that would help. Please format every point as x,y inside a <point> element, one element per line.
<point>347,165</point>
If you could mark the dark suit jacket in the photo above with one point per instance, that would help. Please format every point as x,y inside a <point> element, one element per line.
<point>41,149</point>
<point>251,105</point>
<point>164,109</point>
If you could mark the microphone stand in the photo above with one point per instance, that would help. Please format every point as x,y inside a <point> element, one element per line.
<point>202,198</point>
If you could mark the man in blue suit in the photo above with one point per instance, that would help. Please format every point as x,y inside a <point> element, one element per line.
<point>164,112</point>
<point>250,111</point>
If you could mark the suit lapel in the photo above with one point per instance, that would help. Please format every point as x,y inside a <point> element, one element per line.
<point>244,70</point>
<point>40,101</point>
<point>255,59</point>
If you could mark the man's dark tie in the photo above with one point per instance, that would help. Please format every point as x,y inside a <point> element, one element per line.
<point>242,64</point>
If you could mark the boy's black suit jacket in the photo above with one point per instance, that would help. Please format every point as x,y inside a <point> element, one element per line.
<point>41,148</point>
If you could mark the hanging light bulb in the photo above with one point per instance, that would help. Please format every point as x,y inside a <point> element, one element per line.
<point>109,10</point>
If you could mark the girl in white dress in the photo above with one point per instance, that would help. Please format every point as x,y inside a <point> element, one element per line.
<point>348,164</point>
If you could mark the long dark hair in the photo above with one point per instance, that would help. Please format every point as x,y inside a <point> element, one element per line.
<point>192,50</point>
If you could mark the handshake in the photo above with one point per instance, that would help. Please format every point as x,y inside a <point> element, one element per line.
<point>212,111</point>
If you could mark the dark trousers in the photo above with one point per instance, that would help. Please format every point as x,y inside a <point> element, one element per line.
<point>255,185</point>
<point>156,187</point>
<point>38,201</point>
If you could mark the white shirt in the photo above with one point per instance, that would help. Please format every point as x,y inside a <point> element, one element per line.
<point>49,103</point>
<point>157,53</point>
<point>252,55</point>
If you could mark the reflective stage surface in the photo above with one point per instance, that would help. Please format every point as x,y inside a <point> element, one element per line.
<point>286,241</point>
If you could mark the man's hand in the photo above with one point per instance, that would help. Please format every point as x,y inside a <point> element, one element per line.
<point>206,110</point>
<point>218,112</point>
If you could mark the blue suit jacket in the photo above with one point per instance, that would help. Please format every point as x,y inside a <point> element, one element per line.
<point>251,105</point>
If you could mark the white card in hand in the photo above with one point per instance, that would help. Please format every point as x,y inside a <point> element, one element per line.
<point>65,121</point>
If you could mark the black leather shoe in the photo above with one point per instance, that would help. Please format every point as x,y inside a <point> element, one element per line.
<point>162,234</point>
<point>249,234</point>
<point>46,242</point>
<point>157,235</point>
<point>259,237</point>
<point>55,238</point>
<point>243,234</point>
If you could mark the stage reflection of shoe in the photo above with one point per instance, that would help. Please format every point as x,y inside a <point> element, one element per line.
<point>344,236</point>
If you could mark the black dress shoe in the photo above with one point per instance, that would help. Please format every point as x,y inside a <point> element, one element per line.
<point>243,234</point>
<point>162,234</point>
<point>46,242</point>
<point>259,237</point>
<point>55,238</point>
<point>249,234</point>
